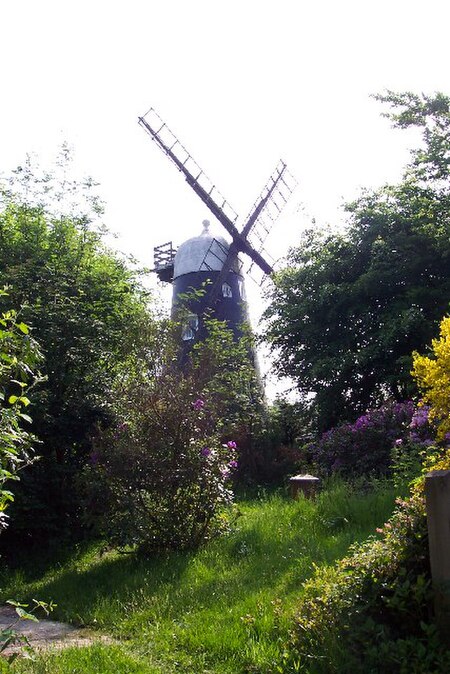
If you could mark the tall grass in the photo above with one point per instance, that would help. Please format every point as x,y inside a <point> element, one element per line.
<point>224,609</point>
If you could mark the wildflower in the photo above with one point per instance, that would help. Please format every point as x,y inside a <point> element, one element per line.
<point>205,451</point>
<point>233,464</point>
<point>398,442</point>
<point>198,404</point>
<point>231,444</point>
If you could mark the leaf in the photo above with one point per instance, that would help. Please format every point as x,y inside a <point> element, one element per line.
<point>24,615</point>
<point>13,399</point>
<point>23,328</point>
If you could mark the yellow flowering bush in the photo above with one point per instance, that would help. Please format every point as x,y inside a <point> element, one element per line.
<point>433,377</point>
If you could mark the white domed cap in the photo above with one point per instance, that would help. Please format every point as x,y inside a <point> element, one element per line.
<point>201,253</point>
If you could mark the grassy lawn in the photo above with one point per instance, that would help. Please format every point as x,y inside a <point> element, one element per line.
<point>224,609</point>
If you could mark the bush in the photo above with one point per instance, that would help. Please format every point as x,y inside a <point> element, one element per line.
<point>159,478</point>
<point>364,446</point>
<point>373,611</point>
<point>433,377</point>
<point>19,355</point>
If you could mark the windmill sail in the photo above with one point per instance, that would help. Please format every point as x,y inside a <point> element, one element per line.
<point>200,183</point>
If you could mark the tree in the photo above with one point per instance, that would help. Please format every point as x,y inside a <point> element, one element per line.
<point>348,309</point>
<point>85,306</point>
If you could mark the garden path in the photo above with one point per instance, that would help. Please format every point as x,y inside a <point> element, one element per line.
<point>46,633</point>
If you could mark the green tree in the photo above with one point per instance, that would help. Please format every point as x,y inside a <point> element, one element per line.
<point>85,306</point>
<point>348,309</point>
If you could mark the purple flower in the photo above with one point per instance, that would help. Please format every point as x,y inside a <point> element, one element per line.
<point>233,464</point>
<point>398,442</point>
<point>420,417</point>
<point>199,404</point>
<point>205,451</point>
<point>231,444</point>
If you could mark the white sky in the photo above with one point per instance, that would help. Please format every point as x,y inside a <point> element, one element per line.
<point>240,83</point>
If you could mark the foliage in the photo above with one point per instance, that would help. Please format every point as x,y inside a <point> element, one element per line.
<point>10,636</point>
<point>372,611</point>
<point>276,449</point>
<point>158,478</point>
<point>364,447</point>
<point>433,377</point>
<point>19,355</point>
<point>349,308</point>
<point>85,306</point>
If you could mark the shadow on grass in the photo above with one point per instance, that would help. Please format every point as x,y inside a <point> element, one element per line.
<point>272,552</point>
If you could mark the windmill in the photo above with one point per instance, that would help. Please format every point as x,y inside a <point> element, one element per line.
<point>208,261</point>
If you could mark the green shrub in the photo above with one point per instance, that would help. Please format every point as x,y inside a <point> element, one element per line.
<point>19,355</point>
<point>372,611</point>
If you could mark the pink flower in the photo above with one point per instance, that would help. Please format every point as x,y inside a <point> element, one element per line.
<point>398,442</point>
<point>231,444</point>
<point>233,464</point>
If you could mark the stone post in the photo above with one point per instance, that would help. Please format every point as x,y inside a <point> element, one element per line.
<point>304,484</point>
<point>437,493</point>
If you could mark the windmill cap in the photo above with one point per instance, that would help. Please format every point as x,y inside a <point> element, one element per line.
<point>202,254</point>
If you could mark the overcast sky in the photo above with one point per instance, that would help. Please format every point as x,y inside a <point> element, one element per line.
<point>240,83</point>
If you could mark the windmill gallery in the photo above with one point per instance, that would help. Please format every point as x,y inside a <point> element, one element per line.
<point>208,263</point>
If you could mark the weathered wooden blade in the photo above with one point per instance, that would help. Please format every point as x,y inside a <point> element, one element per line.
<point>206,190</point>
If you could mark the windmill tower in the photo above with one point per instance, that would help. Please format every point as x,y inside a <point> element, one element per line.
<point>209,263</point>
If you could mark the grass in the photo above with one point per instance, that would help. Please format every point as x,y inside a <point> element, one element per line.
<point>225,609</point>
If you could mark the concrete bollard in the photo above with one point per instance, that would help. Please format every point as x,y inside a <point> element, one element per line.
<point>304,484</point>
<point>437,494</point>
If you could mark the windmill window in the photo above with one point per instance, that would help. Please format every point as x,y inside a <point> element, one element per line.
<point>226,290</point>
<point>190,328</point>
<point>241,289</point>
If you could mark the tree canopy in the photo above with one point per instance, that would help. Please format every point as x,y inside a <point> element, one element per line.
<point>84,305</point>
<point>349,308</point>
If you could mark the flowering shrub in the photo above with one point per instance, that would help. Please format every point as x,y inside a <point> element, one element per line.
<point>409,451</point>
<point>364,446</point>
<point>160,477</point>
<point>433,377</point>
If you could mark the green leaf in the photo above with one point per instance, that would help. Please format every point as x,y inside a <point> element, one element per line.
<point>23,328</point>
